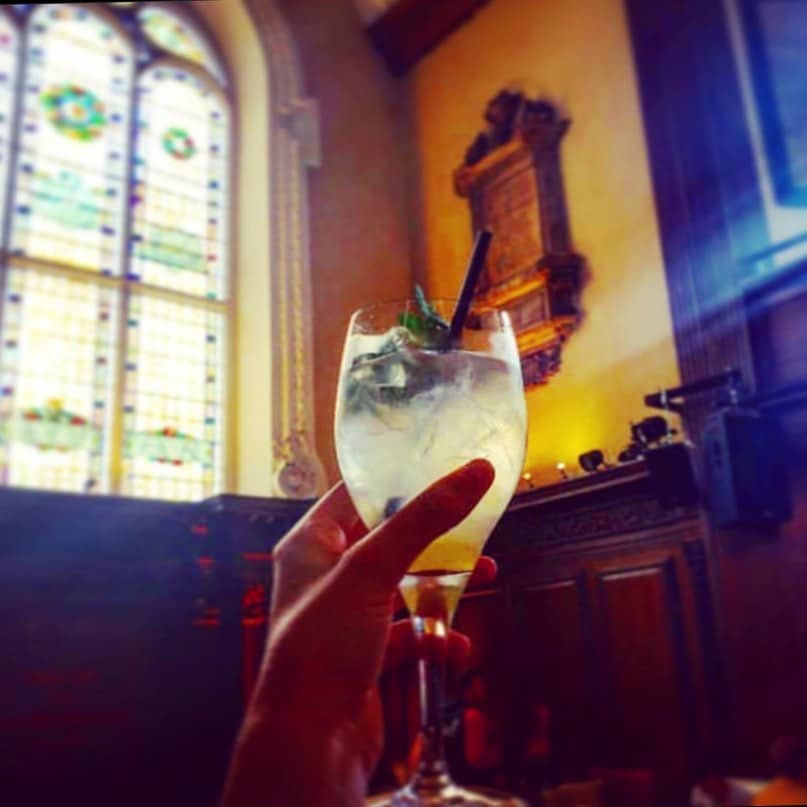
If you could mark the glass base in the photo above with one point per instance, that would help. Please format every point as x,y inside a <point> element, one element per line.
<point>449,796</point>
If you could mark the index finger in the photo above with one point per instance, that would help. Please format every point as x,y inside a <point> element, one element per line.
<point>382,557</point>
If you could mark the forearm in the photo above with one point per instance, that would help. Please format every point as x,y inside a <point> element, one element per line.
<point>268,767</point>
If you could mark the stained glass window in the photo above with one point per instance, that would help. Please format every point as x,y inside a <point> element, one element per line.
<point>180,183</point>
<point>113,319</point>
<point>169,31</point>
<point>58,342</point>
<point>71,166</point>
<point>9,44</point>
<point>173,405</point>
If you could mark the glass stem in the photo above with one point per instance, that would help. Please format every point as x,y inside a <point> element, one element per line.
<point>431,775</point>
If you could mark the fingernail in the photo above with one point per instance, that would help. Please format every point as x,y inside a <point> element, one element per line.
<point>476,476</point>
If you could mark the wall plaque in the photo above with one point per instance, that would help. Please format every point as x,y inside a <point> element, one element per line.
<point>512,179</point>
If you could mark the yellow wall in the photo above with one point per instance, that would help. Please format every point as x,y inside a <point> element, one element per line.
<point>360,251</point>
<point>576,52</point>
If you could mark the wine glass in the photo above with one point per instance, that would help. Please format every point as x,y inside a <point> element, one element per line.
<point>416,400</point>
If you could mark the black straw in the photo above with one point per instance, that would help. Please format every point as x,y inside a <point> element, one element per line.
<point>475,265</point>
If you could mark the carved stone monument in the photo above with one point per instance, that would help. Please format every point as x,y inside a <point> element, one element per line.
<point>512,179</point>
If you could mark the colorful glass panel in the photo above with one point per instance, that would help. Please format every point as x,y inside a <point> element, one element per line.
<point>173,34</point>
<point>179,189</point>
<point>58,342</point>
<point>78,190</point>
<point>9,44</point>
<point>173,400</point>
<point>71,172</point>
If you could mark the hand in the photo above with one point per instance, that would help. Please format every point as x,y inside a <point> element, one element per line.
<point>312,733</point>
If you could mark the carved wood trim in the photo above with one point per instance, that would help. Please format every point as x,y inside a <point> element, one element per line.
<point>620,504</point>
<point>623,517</point>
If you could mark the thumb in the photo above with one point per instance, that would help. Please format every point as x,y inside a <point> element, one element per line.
<point>377,563</point>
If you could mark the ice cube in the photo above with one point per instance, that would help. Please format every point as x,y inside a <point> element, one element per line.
<point>391,371</point>
<point>401,338</point>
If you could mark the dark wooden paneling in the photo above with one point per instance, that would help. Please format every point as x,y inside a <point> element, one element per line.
<point>121,623</point>
<point>556,652</point>
<point>787,332</point>
<point>708,200</point>
<point>485,617</point>
<point>647,669</point>
<point>706,190</point>
<point>775,306</point>
<point>615,610</point>
<point>411,28</point>
<point>482,615</point>
<point>764,575</point>
<point>764,661</point>
<point>109,688</point>
<point>778,310</point>
<point>602,619</point>
<point>612,639</point>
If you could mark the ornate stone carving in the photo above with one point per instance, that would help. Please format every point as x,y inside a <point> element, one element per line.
<point>542,363</point>
<point>512,178</point>
<point>525,527</point>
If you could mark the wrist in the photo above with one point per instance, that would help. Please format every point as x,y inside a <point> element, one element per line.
<point>280,759</point>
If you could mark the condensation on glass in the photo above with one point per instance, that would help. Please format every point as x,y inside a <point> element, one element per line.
<point>114,156</point>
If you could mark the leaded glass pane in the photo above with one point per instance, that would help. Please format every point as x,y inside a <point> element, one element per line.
<point>179,191</point>
<point>71,173</point>
<point>81,183</point>
<point>9,44</point>
<point>173,400</point>
<point>170,32</point>
<point>58,339</point>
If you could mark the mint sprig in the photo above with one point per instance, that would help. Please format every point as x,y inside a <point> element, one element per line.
<point>369,386</point>
<point>428,328</point>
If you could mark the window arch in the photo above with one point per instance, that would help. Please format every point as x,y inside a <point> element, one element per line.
<point>115,127</point>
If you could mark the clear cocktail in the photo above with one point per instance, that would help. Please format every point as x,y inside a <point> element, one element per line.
<point>414,405</point>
